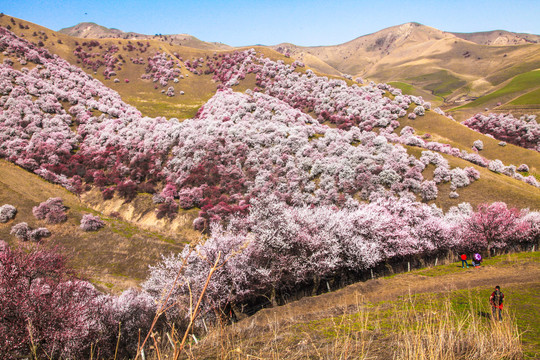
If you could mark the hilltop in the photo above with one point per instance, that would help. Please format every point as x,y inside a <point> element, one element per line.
<point>449,69</point>
<point>499,37</point>
<point>89,30</point>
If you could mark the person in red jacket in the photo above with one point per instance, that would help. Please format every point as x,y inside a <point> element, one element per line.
<point>464,261</point>
<point>496,300</point>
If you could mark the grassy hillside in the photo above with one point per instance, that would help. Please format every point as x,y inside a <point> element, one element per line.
<point>440,83</point>
<point>114,258</point>
<point>138,92</point>
<point>445,130</point>
<point>409,89</point>
<point>517,86</point>
<point>531,98</point>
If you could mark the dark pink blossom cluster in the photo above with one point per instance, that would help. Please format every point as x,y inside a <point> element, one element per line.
<point>524,132</point>
<point>52,211</point>
<point>50,313</point>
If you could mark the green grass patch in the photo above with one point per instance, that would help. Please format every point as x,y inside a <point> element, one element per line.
<point>523,82</point>
<point>531,98</point>
<point>440,83</point>
<point>428,319</point>
<point>505,260</point>
<point>409,89</point>
<point>405,88</point>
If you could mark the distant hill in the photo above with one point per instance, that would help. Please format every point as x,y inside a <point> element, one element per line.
<point>452,68</point>
<point>90,30</point>
<point>499,37</point>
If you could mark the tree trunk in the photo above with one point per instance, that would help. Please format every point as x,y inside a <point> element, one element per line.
<point>316,283</point>
<point>273,297</point>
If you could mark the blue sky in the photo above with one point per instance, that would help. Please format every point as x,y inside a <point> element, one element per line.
<point>243,22</point>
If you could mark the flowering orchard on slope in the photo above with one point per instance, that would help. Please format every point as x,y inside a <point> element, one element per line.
<point>279,248</point>
<point>120,151</point>
<point>286,199</point>
<point>333,101</point>
<point>524,132</point>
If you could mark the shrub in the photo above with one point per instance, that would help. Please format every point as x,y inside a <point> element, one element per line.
<point>107,193</point>
<point>127,189</point>
<point>460,177</point>
<point>169,209</point>
<point>7,212</point>
<point>523,168</point>
<point>199,223</point>
<point>52,211</point>
<point>91,223</point>
<point>419,110</point>
<point>428,190</point>
<point>496,166</point>
<point>38,234</point>
<point>472,173</point>
<point>21,231</point>
<point>478,144</point>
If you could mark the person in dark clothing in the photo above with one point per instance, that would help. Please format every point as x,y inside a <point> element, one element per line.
<point>476,260</point>
<point>496,300</point>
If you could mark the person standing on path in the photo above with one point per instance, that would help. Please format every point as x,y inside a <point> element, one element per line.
<point>464,261</point>
<point>496,300</point>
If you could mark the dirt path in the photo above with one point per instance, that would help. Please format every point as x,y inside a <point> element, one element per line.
<point>341,301</point>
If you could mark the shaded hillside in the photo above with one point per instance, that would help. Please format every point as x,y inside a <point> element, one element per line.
<point>114,258</point>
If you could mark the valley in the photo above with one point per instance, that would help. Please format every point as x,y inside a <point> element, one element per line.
<point>281,182</point>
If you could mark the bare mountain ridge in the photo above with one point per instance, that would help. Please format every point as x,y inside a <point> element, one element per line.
<point>368,49</point>
<point>90,30</point>
<point>499,37</point>
<point>449,68</point>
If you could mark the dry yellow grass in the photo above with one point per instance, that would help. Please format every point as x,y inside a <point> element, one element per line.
<point>439,312</point>
<point>114,258</point>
